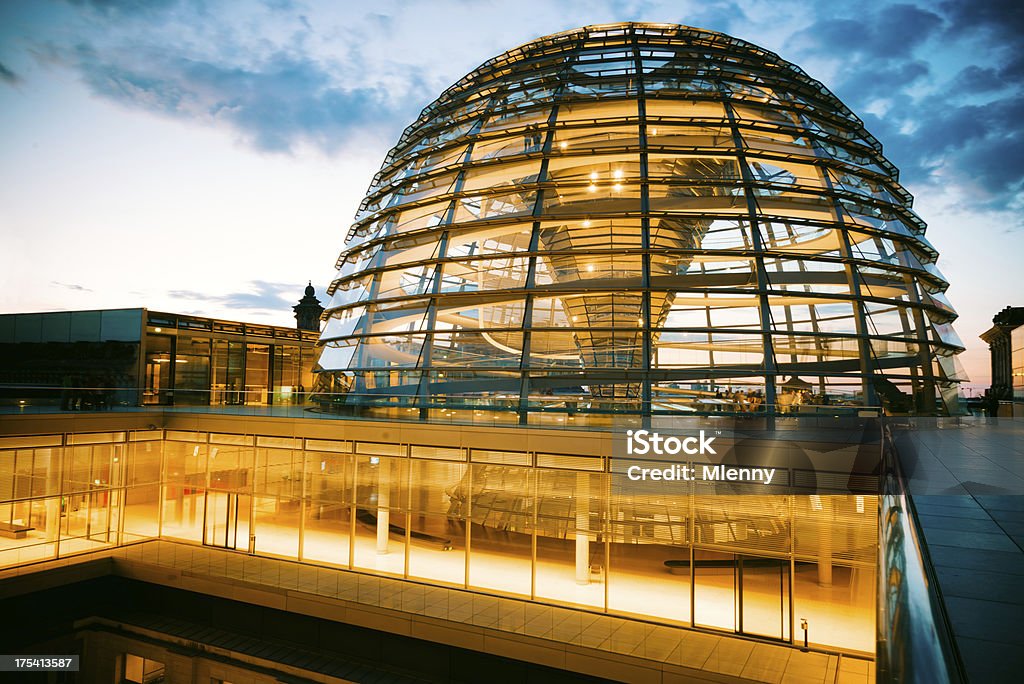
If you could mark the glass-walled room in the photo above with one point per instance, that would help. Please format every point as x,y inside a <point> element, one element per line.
<point>67,494</point>
<point>192,361</point>
<point>121,358</point>
<point>537,526</point>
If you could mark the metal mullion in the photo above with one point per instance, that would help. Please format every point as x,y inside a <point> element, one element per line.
<point>303,503</point>
<point>737,579</point>
<point>816,334</point>
<point>60,494</point>
<point>122,487</point>
<point>770,362</point>
<point>407,552</point>
<point>692,528</point>
<point>707,319</point>
<point>909,329</point>
<point>533,534</point>
<point>645,231</point>
<point>853,277</point>
<point>161,488</point>
<point>607,528</point>
<point>352,506</point>
<point>431,313</point>
<point>467,529</point>
<point>524,359</point>
<point>538,210</point>
<point>924,344</point>
<point>89,492</point>
<point>792,569</point>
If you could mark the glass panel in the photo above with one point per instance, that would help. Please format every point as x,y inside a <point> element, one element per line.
<point>437,546</point>
<point>277,501</point>
<point>228,372</point>
<point>192,370</point>
<point>501,500</point>
<point>184,491</point>
<point>650,557</point>
<point>570,561</point>
<point>381,487</point>
<point>714,586</point>
<point>158,387</point>
<point>142,499</point>
<point>329,518</point>
<point>257,373</point>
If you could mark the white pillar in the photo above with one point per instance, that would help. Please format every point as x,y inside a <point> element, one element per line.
<point>383,501</point>
<point>825,531</point>
<point>53,490</point>
<point>582,528</point>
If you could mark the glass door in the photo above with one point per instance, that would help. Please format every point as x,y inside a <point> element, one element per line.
<point>220,522</point>
<point>159,387</point>
<point>742,594</point>
<point>257,373</point>
<point>228,372</point>
<point>763,588</point>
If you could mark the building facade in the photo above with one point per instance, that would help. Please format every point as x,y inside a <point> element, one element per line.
<point>129,357</point>
<point>534,515</point>
<point>1006,345</point>
<point>639,218</point>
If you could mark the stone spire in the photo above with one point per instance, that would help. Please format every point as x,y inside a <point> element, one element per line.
<point>308,311</point>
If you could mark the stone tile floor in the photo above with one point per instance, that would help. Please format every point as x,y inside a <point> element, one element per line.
<point>966,480</point>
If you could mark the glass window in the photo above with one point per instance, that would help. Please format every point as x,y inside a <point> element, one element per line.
<point>139,670</point>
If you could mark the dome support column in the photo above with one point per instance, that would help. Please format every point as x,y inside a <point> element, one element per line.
<point>770,365</point>
<point>853,277</point>
<point>647,350</point>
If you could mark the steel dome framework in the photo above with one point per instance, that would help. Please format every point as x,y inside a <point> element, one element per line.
<point>630,217</point>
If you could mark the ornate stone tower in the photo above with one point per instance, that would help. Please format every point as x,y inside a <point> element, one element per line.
<point>308,310</point>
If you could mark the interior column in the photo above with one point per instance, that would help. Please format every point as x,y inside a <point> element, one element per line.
<point>825,542</point>
<point>582,528</point>
<point>53,489</point>
<point>383,503</point>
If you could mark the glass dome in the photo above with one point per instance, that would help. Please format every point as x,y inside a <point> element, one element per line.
<point>640,218</point>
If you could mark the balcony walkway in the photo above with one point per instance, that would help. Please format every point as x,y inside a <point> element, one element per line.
<point>966,479</point>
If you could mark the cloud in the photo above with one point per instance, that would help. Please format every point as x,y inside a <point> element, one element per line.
<point>953,131</point>
<point>975,79</point>
<point>717,16</point>
<point>1002,19</point>
<point>274,104</point>
<point>124,7</point>
<point>8,76</point>
<point>883,80</point>
<point>261,296</point>
<point>71,286</point>
<point>973,150</point>
<point>893,32</point>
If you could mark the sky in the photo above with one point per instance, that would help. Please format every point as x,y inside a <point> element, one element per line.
<point>208,157</point>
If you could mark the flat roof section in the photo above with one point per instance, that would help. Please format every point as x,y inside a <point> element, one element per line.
<point>966,480</point>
